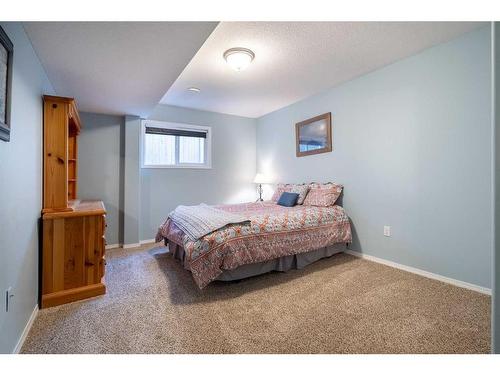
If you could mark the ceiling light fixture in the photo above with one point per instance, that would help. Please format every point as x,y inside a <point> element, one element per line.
<point>239,58</point>
<point>194,89</point>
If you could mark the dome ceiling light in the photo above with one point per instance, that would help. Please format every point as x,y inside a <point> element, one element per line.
<point>194,89</point>
<point>239,58</point>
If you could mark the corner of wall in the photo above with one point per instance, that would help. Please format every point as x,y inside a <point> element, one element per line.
<point>132,181</point>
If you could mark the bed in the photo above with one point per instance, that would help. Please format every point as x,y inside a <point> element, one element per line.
<point>276,239</point>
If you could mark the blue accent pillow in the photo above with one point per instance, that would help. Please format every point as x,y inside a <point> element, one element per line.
<point>288,199</point>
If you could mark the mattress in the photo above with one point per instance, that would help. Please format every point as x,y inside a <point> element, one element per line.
<point>274,232</point>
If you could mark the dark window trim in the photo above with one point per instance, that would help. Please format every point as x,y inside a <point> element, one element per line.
<point>5,126</point>
<point>176,132</point>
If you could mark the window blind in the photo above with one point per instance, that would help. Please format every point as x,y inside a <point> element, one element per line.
<point>176,132</point>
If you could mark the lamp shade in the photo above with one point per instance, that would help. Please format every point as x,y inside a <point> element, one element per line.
<point>261,178</point>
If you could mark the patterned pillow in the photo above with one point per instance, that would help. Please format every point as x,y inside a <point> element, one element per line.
<point>323,195</point>
<point>319,185</point>
<point>301,190</point>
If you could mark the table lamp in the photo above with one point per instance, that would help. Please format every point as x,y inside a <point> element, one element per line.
<point>260,179</point>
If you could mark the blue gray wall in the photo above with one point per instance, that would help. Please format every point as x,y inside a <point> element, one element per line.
<point>21,189</point>
<point>229,180</point>
<point>495,314</point>
<point>412,145</point>
<point>100,167</point>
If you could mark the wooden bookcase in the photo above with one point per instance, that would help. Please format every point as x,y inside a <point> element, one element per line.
<point>61,128</point>
<point>73,252</point>
<point>72,173</point>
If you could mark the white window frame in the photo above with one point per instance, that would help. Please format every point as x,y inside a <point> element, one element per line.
<point>178,126</point>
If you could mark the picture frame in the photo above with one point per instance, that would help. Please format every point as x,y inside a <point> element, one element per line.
<point>314,135</point>
<point>6,57</point>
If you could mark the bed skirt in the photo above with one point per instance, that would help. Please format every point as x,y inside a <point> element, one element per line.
<point>283,264</point>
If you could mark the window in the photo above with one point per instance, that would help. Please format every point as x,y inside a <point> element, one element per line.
<point>172,145</point>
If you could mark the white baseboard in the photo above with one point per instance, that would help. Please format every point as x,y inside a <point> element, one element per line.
<point>143,242</point>
<point>430,275</point>
<point>130,245</point>
<point>29,324</point>
<point>112,246</point>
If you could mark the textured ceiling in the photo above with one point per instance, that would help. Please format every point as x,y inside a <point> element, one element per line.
<point>296,60</point>
<point>116,67</point>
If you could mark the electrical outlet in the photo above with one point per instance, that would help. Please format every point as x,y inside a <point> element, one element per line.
<point>387,230</point>
<point>8,296</point>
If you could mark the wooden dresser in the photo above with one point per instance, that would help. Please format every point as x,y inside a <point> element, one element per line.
<point>73,241</point>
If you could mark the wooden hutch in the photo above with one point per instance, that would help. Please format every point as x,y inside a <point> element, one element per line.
<point>73,230</point>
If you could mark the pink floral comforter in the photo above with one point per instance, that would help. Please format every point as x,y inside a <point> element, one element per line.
<point>274,231</point>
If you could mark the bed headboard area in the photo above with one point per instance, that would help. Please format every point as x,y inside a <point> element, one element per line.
<point>338,202</point>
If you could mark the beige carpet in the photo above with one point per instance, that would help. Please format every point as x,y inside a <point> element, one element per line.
<point>338,305</point>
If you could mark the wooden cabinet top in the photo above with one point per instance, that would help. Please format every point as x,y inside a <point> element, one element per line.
<point>73,116</point>
<point>79,208</point>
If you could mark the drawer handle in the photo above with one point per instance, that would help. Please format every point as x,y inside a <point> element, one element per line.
<point>88,264</point>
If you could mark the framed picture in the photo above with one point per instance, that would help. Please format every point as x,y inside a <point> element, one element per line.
<point>6,53</point>
<point>314,136</point>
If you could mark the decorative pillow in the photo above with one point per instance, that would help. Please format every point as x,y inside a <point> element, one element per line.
<point>323,195</point>
<point>288,199</point>
<point>301,190</point>
<point>318,185</point>
<point>280,189</point>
